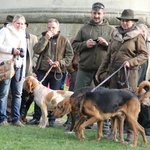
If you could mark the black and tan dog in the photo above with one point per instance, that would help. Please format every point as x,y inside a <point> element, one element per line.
<point>73,104</point>
<point>100,105</point>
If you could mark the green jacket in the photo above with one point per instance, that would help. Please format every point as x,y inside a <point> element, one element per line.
<point>91,58</point>
<point>57,48</point>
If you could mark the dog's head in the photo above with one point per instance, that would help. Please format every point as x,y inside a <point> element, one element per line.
<point>63,108</point>
<point>30,84</point>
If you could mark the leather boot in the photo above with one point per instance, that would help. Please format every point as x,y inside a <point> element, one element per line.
<point>130,136</point>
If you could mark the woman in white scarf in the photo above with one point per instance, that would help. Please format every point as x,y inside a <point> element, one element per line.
<point>12,39</point>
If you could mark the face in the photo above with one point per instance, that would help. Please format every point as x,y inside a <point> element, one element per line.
<point>53,27</point>
<point>19,24</point>
<point>126,23</point>
<point>97,15</point>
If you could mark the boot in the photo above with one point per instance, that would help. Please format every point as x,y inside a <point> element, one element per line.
<point>68,121</point>
<point>130,136</point>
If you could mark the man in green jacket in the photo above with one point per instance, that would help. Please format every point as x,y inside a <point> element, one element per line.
<point>91,43</point>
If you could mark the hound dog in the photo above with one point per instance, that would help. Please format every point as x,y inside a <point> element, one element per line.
<point>72,105</point>
<point>100,105</point>
<point>45,98</point>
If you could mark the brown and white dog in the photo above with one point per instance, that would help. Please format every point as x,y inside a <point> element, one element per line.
<point>45,98</point>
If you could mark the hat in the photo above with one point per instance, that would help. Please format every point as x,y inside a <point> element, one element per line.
<point>127,14</point>
<point>9,18</point>
<point>97,5</point>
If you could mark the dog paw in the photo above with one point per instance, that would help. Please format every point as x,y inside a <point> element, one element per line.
<point>41,126</point>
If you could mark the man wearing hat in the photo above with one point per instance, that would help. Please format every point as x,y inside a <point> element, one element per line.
<point>91,42</point>
<point>127,47</point>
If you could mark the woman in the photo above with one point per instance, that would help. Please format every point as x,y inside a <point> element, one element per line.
<point>12,42</point>
<point>127,47</point>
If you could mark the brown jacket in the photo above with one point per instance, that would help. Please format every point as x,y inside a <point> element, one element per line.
<point>131,47</point>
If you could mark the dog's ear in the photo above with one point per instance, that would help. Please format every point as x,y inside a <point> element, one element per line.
<point>28,86</point>
<point>66,107</point>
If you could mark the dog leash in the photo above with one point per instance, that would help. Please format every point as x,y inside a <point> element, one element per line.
<point>123,65</point>
<point>54,74</point>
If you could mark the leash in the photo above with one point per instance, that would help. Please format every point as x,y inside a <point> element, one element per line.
<point>54,74</point>
<point>108,78</point>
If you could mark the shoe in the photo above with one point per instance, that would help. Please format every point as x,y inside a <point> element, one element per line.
<point>33,122</point>
<point>106,132</point>
<point>51,124</point>
<point>88,127</point>
<point>148,133</point>
<point>4,123</point>
<point>130,137</point>
<point>18,123</point>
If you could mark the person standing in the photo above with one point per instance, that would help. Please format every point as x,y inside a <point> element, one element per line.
<point>55,48</point>
<point>127,47</point>
<point>13,44</point>
<point>144,72</point>
<point>91,43</point>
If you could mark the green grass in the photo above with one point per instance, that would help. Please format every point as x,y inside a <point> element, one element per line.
<point>34,138</point>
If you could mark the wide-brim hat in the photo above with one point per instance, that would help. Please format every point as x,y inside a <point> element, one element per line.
<point>127,14</point>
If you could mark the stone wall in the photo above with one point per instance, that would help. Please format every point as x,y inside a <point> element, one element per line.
<point>71,14</point>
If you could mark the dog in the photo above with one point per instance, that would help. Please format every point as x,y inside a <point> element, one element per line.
<point>72,105</point>
<point>100,105</point>
<point>144,99</point>
<point>45,98</point>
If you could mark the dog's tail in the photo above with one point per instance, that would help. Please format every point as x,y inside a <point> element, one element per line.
<point>144,98</point>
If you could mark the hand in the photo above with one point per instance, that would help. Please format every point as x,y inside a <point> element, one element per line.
<point>126,64</point>
<point>96,78</point>
<point>102,41</point>
<point>90,43</point>
<point>56,64</point>
<point>49,34</point>
<point>16,51</point>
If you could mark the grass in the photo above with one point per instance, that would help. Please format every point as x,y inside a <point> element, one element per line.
<point>33,138</point>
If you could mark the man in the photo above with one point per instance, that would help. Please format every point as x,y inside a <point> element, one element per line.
<point>52,47</point>
<point>91,43</point>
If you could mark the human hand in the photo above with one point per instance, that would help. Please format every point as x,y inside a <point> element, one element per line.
<point>126,64</point>
<point>49,34</point>
<point>90,43</point>
<point>102,41</point>
<point>16,51</point>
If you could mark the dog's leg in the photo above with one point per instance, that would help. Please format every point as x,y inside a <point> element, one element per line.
<point>142,131</point>
<point>76,128</point>
<point>85,124</point>
<point>121,127</point>
<point>134,127</point>
<point>44,120</point>
<point>99,131</point>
